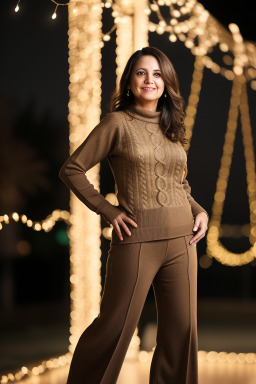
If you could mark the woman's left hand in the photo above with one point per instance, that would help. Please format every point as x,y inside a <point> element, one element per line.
<point>201,226</point>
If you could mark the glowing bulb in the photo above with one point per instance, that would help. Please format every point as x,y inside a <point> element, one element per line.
<point>147,11</point>
<point>74,10</point>
<point>17,8</point>
<point>54,15</point>
<point>233,28</point>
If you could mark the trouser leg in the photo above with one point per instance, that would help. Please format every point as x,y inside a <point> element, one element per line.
<point>102,347</point>
<point>175,288</point>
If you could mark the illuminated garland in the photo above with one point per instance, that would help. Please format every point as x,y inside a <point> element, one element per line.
<point>200,24</point>
<point>238,99</point>
<point>226,230</point>
<point>189,21</point>
<point>45,225</point>
<point>193,100</point>
<point>214,247</point>
<point>45,365</point>
<point>143,357</point>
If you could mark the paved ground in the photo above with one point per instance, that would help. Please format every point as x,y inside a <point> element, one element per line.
<point>222,326</point>
<point>138,373</point>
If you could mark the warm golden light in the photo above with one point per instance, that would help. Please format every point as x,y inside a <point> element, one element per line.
<point>193,99</point>
<point>85,43</point>
<point>214,247</point>
<point>47,224</point>
<point>198,23</point>
<point>192,24</point>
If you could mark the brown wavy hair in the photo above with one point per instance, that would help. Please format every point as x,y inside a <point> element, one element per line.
<point>171,107</point>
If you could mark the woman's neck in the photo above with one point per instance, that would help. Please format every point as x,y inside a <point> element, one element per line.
<point>143,114</point>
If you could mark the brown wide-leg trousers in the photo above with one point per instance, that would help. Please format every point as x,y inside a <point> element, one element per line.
<point>171,266</point>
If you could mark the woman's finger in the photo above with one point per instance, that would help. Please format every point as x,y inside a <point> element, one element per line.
<point>131,221</point>
<point>119,221</point>
<point>125,228</point>
<point>200,238</point>
<point>197,237</point>
<point>126,218</point>
<point>118,230</point>
<point>199,232</point>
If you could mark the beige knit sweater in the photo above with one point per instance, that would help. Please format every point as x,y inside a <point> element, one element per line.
<point>149,171</point>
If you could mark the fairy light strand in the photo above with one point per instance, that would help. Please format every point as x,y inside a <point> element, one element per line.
<point>214,357</point>
<point>45,225</point>
<point>198,23</point>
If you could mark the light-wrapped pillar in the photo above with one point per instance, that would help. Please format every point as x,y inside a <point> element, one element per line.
<point>132,31</point>
<point>84,114</point>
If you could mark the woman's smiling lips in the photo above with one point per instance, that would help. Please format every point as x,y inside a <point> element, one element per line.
<point>148,89</point>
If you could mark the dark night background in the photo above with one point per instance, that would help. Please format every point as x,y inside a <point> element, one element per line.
<point>34,144</point>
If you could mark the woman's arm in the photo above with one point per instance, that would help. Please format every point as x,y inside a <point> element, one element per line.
<point>98,144</point>
<point>195,207</point>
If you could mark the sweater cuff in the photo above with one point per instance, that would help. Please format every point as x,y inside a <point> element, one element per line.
<point>197,208</point>
<point>108,211</point>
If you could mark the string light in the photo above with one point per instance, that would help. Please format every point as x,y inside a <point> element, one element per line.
<point>210,357</point>
<point>84,100</point>
<point>45,225</point>
<point>193,99</point>
<point>214,247</point>
<point>45,365</point>
<point>189,21</point>
<point>239,99</point>
<point>200,25</point>
<point>17,6</point>
<point>226,230</point>
<point>143,357</point>
<point>54,15</point>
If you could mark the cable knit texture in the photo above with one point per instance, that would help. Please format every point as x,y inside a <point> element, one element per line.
<point>149,171</point>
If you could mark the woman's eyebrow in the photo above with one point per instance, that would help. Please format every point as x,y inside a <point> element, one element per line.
<point>153,69</point>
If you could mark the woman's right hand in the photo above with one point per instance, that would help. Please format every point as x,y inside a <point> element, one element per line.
<point>119,222</point>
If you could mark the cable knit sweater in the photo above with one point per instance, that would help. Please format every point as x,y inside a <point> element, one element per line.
<point>149,171</point>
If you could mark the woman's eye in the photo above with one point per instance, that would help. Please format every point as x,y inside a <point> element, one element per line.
<point>144,72</point>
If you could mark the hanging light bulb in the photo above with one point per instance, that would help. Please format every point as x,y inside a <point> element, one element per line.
<point>17,6</point>
<point>54,15</point>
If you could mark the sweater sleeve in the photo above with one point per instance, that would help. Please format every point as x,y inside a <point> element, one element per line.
<point>195,207</point>
<point>98,144</point>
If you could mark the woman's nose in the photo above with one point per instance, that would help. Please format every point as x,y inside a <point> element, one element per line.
<point>149,79</point>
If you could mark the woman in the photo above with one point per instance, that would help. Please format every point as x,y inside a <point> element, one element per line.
<point>152,238</point>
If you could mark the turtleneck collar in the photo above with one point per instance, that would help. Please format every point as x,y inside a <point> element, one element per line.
<point>143,114</point>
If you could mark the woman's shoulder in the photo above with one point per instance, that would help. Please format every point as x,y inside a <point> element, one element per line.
<point>115,121</point>
<point>115,117</point>
<point>111,125</point>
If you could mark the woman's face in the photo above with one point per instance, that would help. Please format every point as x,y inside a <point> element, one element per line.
<point>146,74</point>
